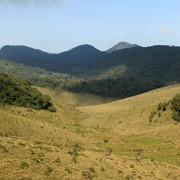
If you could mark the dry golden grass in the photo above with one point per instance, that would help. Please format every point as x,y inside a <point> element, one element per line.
<point>117,139</point>
<point>75,99</point>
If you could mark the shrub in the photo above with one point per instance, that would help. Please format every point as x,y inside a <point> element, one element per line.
<point>176,116</point>
<point>106,141</point>
<point>52,109</point>
<point>75,152</point>
<point>3,149</point>
<point>175,107</point>
<point>24,165</point>
<point>48,170</point>
<point>163,106</point>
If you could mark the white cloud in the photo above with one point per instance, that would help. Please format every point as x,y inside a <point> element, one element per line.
<point>165,31</point>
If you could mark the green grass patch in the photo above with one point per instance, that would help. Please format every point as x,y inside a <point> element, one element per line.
<point>154,148</point>
<point>169,158</point>
<point>146,147</point>
<point>78,129</point>
<point>148,142</point>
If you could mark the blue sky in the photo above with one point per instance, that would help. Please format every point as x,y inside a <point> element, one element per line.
<point>59,25</point>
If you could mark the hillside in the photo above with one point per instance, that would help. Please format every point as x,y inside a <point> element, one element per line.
<point>81,54</point>
<point>102,86</point>
<point>38,76</point>
<point>15,91</point>
<point>157,63</point>
<point>121,87</point>
<point>109,141</point>
<point>120,45</point>
<point>65,62</point>
<point>119,74</point>
<point>75,99</point>
<point>131,71</point>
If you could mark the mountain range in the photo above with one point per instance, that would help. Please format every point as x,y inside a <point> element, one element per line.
<point>159,62</point>
<point>105,72</point>
<point>61,62</point>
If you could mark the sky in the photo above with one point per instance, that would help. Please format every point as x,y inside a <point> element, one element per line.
<point>59,25</point>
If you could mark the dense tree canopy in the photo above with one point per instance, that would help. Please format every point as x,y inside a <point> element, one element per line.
<point>15,91</point>
<point>118,74</point>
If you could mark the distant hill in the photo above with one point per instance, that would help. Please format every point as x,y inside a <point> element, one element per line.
<point>157,63</point>
<point>66,62</point>
<point>101,73</point>
<point>160,63</point>
<point>81,54</point>
<point>121,45</point>
<point>37,76</point>
<point>132,71</point>
<point>21,51</point>
<point>121,87</point>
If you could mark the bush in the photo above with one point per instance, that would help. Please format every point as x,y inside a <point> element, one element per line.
<point>163,106</point>
<point>48,170</point>
<point>24,165</point>
<point>52,109</point>
<point>106,141</point>
<point>176,116</point>
<point>175,107</point>
<point>75,152</point>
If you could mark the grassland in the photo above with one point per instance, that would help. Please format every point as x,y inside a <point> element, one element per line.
<point>115,140</point>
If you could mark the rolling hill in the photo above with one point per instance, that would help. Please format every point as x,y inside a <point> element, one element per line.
<point>160,63</point>
<point>65,62</point>
<point>108,141</point>
<point>85,60</point>
<point>139,69</point>
<point>37,76</point>
<point>102,85</point>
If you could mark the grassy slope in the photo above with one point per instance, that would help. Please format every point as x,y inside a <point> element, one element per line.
<point>35,144</point>
<point>75,99</point>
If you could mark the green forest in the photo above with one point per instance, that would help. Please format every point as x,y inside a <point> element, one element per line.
<point>18,92</point>
<point>119,74</point>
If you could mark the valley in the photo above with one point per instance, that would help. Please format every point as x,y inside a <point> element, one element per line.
<point>115,140</point>
<point>87,114</point>
<point>89,90</point>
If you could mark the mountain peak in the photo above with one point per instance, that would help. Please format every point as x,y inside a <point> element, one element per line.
<point>82,53</point>
<point>84,47</point>
<point>121,45</point>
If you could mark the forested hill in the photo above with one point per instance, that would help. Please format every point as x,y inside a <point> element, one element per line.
<point>156,63</point>
<point>80,55</point>
<point>159,63</point>
<point>66,62</point>
<point>138,69</point>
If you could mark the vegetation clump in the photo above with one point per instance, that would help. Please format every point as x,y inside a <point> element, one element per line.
<point>75,152</point>
<point>90,173</point>
<point>175,107</point>
<point>18,92</point>
<point>173,104</point>
<point>24,165</point>
<point>163,106</point>
<point>120,87</point>
<point>48,170</point>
